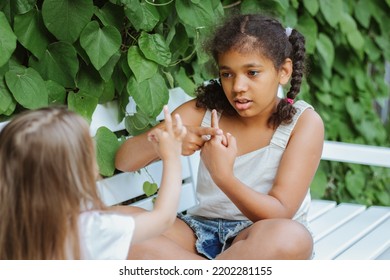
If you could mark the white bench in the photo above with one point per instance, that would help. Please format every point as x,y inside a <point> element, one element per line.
<point>351,231</point>
<point>343,231</point>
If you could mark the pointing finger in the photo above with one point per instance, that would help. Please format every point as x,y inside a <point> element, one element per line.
<point>168,119</point>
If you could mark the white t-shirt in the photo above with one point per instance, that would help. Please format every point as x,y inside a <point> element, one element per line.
<point>105,235</point>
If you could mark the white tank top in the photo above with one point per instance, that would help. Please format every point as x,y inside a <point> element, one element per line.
<point>256,169</point>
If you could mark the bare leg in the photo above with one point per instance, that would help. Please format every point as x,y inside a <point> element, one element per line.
<point>280,239</point>
<point>177,243</point>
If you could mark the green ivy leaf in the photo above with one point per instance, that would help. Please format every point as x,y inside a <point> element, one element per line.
<point>89,81</point>
<point>347,24</point>
<point>27,87</point>
<point>100,43</point>
<point>142,15</point>
<point>198,14</point>
<point>308,27</point>
<point>325,48</point>
<point>291,17</point>
<point>108,93</point>
<point>31,32</point>
<point>59,64</point>
<point>325,98</point>
<point>370,130</point>
<point>149,188</point>
<point>383,197</point>
<point>7,40</point>
<point>6,99</point>
<point>83,104</point>
<point>107,145</point>
<point>332,11</point>
<point>65,19</point>
<point>22,6</point>
<point>137,123</point>
<point>363,12</point>
<point>178,42</point>
<point>119,76</point>
<point>108,69</point>
<point>355,183</point>
<point>360,79</point>
<point>354,109</point>
<point>141,67</point>
<point>150,95</point>
<point>384,43</point>
<point>312,6</point>
<point>319,184</point>
<point>57,93</point>
<point>356,40</point>
<point>185,82</point>
<point>111,14</point>
<point>154,48</point>
<point>371,49</point>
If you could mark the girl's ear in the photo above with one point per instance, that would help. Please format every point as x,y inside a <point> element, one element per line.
<point>285,71</point>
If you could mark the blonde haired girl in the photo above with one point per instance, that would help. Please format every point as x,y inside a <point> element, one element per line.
<point>49,205</point>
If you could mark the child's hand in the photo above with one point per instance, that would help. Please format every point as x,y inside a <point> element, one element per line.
<point>219,153</point>
<point>168,142</point>
<point>196,137</point>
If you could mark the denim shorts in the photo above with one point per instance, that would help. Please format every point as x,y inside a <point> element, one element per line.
<point>213,235</point>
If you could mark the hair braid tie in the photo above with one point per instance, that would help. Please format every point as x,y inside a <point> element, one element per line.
<point>290,100</point>
<point>288,31</point>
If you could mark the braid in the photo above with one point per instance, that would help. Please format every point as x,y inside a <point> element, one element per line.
<point>298,57</point>
<point>285,109</point>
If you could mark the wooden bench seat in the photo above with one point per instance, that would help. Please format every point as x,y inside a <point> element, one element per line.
<point>350,231</point>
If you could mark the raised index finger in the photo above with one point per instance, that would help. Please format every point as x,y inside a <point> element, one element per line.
<point>168,119</point>
<point>214,119</point>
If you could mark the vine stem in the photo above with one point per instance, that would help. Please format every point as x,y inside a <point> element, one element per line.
<point>193,51</point>
<point>148,174</point>
<point>163,4</point>
<point>232,5</point>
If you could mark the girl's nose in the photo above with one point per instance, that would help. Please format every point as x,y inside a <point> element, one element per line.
<point>240,84</point>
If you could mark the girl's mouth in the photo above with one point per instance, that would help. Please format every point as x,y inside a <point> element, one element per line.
<point>242,104</point>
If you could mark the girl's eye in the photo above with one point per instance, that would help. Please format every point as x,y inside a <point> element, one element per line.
<point>225,75</point>
<point>253,73</point>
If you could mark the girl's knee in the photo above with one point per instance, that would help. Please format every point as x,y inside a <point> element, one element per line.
<point>295,240</point>
<point>288,239</point>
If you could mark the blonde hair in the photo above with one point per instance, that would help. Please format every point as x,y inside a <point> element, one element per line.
<point>47,177</point>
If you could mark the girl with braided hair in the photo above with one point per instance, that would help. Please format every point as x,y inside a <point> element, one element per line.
<point>259,157</point>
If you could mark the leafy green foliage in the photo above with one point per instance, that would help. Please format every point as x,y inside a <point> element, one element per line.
<point>149,188</point>
<point>106,146</point>
<point>7,40</point>
<point>82,53</point>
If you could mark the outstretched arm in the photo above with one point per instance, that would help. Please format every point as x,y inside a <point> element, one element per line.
<point>167,145</point>
<point>136,152</point>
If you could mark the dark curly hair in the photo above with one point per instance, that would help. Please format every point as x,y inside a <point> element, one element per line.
<point>255,32</point>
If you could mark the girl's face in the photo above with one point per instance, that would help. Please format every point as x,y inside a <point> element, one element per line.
<point>250,81</point>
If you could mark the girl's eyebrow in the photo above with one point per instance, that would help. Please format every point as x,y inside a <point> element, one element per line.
<point>249,65</point>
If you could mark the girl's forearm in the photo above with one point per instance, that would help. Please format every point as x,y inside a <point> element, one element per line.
<point>255,206</point>
<point>169,193</point>
<point>135,153</point>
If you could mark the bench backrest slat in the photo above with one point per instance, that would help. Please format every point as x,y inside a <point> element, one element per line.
<point>356,153</point>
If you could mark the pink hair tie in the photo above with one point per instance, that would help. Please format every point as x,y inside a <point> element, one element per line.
<point>290,100</point>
